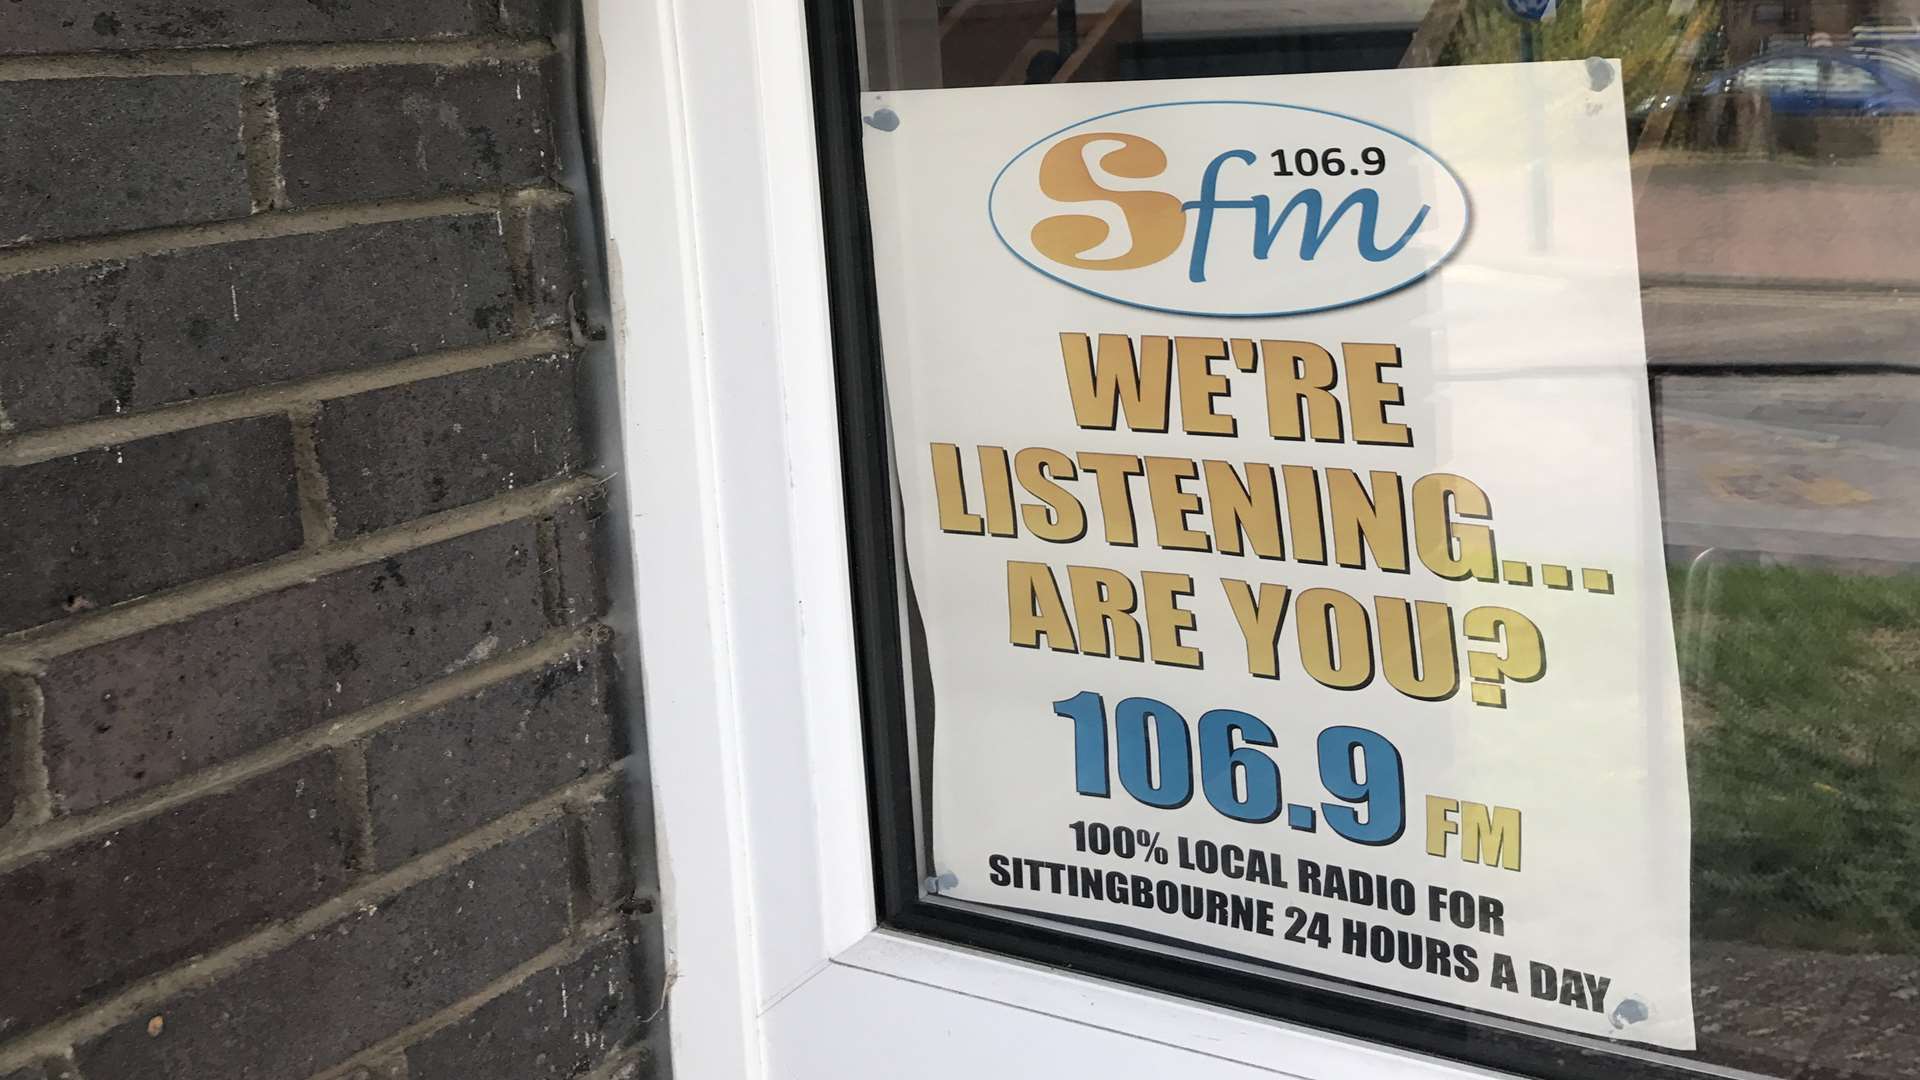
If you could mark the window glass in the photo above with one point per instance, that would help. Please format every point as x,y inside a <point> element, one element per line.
<point>1847,79</point>
<point>1796,74</point>
<point>1772,151</point>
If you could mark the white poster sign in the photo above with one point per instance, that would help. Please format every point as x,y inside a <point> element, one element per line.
<point>1279,502</point>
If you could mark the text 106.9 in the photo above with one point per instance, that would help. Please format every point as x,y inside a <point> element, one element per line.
<point>1309,162</point>
<point>1358,767</point>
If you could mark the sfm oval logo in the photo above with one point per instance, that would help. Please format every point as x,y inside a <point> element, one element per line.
<point>1229,208</point>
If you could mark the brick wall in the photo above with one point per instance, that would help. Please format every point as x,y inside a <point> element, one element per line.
<point>312,746</point>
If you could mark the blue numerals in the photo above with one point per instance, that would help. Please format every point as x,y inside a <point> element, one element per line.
<point>1153,748</point>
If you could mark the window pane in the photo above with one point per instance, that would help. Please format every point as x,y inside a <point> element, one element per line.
<point>1773,152</point>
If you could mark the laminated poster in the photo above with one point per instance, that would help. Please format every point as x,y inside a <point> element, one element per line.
<point>1279,503</point>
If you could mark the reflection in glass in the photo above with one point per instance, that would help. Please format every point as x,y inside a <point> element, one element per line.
<point>1775,158</point>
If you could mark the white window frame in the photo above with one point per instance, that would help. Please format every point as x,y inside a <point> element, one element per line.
<point>777,969</point>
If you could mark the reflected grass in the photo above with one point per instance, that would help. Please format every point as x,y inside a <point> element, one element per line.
<point>1803,731</point>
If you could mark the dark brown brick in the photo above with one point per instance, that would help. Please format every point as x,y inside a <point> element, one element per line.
<point>411,130</point>
<point>524,18</point>
<point>409,450</point>
<point>172,710</point>
<point>559,1024</point>
<point>147,709</point>
<point>581,595</point>
<point>610,866</point>
<point>553,272</point>
<point>89,917</point>
<point>338,991</point>
<point>158,151</point>
<point>435,776</point>
<point>108,525</point>
<point>15,697</point>
<point>46,26</point>
<point>119,336</point>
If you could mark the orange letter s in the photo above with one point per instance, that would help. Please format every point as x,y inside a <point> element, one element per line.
<point>1154,218</point>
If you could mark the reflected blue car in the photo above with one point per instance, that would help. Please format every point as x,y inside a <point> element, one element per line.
<point>1825,82</point>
